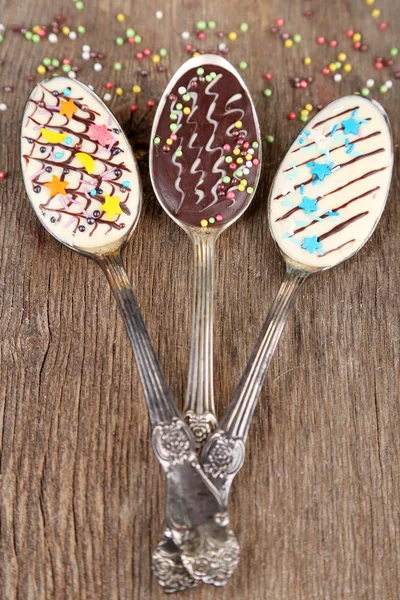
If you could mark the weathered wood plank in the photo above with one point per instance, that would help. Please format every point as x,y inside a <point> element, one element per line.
<point>316,504</point>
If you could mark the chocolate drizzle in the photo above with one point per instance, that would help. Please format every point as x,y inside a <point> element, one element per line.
<point>219,130</point>
<point>344,112</point>
<point>361,139</point>
<point>341,226</point>
<point>341,166</point>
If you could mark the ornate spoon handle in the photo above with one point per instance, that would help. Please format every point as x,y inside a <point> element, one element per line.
<point>224,451</point>
<point>199,404</point>
<point>196,518</point>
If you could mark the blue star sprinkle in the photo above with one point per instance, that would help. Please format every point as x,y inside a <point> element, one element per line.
<point>311,244</point>
<point>332,213</point>
<point>309,205</point>
<point>320,170</point>
<point>350,126</point>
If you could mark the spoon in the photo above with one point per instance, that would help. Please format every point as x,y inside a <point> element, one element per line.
<point>335,215</point>
<point>83,183</point>
<point>205,165</point>
<point>325,202</point>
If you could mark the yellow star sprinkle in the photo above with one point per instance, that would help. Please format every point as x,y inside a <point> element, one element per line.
<point>56,186</point>
<point>111,206</point>
<point>68,108</point>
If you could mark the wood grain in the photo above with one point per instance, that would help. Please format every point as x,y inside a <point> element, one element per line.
<point>316,506</point>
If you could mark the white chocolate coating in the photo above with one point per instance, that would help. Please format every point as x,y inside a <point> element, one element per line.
<point>95,199</point>
<point>320,218</point>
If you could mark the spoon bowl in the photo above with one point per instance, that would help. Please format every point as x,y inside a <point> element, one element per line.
<point>331,188</point>
<point>80,174</point>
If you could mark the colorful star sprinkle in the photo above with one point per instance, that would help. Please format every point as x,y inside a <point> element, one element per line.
<point>56,186</point>
<point>350,126</point>
<point>68,108</point>
<point>111,206</point>
<point>287,187</point>
<point>100,133</point>
<point>309,205</point>
<point>319,170</point>
<point>311,244</point>
<point>317,136</point>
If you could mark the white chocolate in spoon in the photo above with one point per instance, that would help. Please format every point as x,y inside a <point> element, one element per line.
<point>78,167</point>
<point>333,183</point>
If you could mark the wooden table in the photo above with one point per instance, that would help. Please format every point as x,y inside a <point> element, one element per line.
<point>316,506</point>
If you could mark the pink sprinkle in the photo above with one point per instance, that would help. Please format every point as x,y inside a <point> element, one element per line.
<point>219,217</point>
<point>256,162</point>
<point>333,43</point>
<point>147,52</point>
<point>230,196</point>
<point>246,145</point>
<point>232,166</point>
<point>37,174</point>
<point>226,147</point>
<point>72,219</point>
<point>111,144</point>
<point>173,136</point>
<point>279,22</point>
<point>62,200</point>
<point>107,174</point>
<point>139,55</point>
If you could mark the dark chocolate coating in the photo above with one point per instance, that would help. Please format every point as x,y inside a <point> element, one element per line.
<point>190,187</point>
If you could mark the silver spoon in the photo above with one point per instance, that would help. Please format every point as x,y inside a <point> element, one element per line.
<point>83,183</point>
<point>205,165</point>
<point>360,185</point>
<point>317,221</point>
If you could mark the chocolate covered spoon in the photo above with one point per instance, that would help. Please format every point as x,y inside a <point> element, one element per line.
<point>324,204</point>
<point>83,183</point>
<point>205,165</point>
